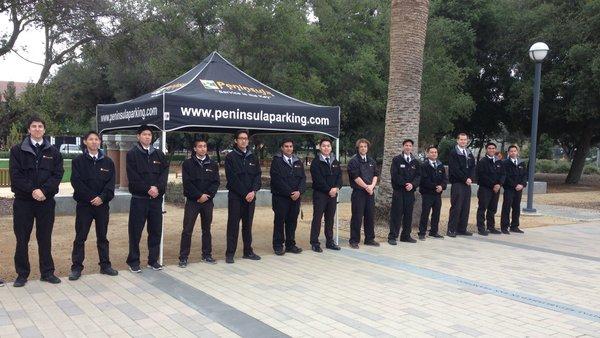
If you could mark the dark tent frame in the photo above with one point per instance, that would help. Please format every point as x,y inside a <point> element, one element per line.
<point>198,97</point>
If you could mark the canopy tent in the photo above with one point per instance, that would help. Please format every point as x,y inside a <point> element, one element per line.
<point>216,96</point>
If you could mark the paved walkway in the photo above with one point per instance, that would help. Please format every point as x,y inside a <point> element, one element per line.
<point>543,283</point>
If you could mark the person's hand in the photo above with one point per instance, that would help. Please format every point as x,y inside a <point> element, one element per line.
<point>519,187</point>
<point>153,192</point>
<point>295,195</point>
<point>333,192</point>
<point>496,188</point>
<point>96,201</point>
<point>438,188</point>
<point>408,186</point>
<point>250,196</point>
<point>468,181</point>
<point>38,195</point>
<point>371,189</point>
<point>203,198</point>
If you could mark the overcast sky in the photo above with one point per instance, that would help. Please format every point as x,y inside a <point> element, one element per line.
<point>30,45</point>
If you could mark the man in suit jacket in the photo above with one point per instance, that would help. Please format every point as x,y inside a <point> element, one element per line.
<point>516,180</point>
<point>461,172</point>
<point>490,177</point>
<point>433,182</point>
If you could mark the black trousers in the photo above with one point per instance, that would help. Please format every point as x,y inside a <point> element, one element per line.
<point>190,215</point>
<point>430,204</point>
<point>239,210</point>
<point>363,209</point>
<point>511,200</point>
<point>460,204</point>
<point>85,213</point>
<point>285,221</point>
<point>487,207</point>
<point>143,211</point>
<point>402,210</point>
<point>325,205</point>
<point>24,213</point>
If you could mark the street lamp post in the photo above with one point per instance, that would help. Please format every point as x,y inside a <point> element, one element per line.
<point>537,53</point>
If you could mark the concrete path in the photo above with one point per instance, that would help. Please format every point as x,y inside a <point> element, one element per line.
<point>543,283</point>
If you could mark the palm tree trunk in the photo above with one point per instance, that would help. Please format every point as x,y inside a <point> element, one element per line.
<point>407,42</point>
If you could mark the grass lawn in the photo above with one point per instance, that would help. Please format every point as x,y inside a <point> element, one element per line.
<point>66,164</point>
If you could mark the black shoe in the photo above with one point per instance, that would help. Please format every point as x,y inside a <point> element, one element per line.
<point>392,242</point>
<point>482,232</point>
<point>294,249</point>
<point>52,279</point>
<point>451,234</point>
<point>354,245</point>
<point>333,246</point>
<point>316,248</point>
<point>517,230</point>
<point>1,282</point>
<point>465,233</point>
<point>155,266</point>
<point>182,263</point>
<point>279,251</point>
<point>436,236</point>
<point>109,271</point>
<point>372,243</point>
<point>20,282</point>
<point>135,269</point>
<point>421,237</point>
<point>74,275</point>
<point>505,231</point>
<point>409,240</point>
<point>229,259</point>
<point>252,256</point>
<point>494,231</point>
<point>209,260</point>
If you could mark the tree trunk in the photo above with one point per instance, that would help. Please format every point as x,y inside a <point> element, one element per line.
<point>407,42</point>
<point>583,148</point>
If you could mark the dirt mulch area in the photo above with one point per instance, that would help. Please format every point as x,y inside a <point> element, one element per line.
<point>556,183</point>
<point>262,236</point>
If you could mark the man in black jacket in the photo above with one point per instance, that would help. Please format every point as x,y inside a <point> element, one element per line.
<point>490,178</point>
<point>200,184</point>
<point>243,181</point>
<point>406,175</point>
<point>433,183</point>
<point>36,169</point>
<point>288,183</point>
<point>326,177</point>
<point>514,183</point>
<point>93,181</point>
<point>461,171</point>
<point>147,172</point>
<point>363,174</point>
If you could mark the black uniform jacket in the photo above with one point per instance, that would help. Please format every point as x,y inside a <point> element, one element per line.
<point>200,177</point>
<point>30,171</point>
<point>146,169</point>
<point>243,173</point>
<point>91,179</point>
<point>431,178</point>
<point>325,176</point>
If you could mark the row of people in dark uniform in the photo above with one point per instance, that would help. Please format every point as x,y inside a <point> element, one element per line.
<point>36,170</point>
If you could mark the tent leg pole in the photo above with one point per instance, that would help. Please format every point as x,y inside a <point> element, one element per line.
<point>163,145</point>
<point>337,199</point>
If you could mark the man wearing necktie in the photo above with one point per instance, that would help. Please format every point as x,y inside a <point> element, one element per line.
<point>93,181</point>
<point>147,172</point>
<point>36,169</point>
<point>515,182</point>
<point>200,176</point>
<point>433,183</point>
<point>363,175</point>
<point>326,177</point>
<point>490,177</point>
<point>288,183</point>
<point>461,171</point>
<point>406,176</point>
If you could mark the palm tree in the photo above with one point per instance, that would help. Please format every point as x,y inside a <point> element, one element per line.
<point>407,42</point>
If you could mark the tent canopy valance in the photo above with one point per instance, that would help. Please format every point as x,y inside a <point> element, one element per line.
<point>217,96</point>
